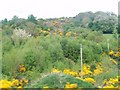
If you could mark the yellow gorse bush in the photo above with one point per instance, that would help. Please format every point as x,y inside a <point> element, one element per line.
<point>60,32</point>
<point>111,81</point>
<point>45,87</point>
<point>5,84</point>
<point>22,68</point>
<point>66,71</point>
<point>70,72</point>
<point>116,54</point>
<point>55,70</point>
<point>68,34</point>
<point>68,85</point>
<point>91,80</point>
<point>111,52</point>
<point>23,82</point>
<point>98,70</point>
<point>113,61</point>
<point>80,78</point>
<point>86,70</point>
<point>109,86</point>
<point>73,73</point>
<point>13,83</point>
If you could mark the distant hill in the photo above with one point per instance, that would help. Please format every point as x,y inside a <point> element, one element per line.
<point>104,21</point>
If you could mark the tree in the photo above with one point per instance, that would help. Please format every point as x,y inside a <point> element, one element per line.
<point>15,17</point>
<point>5,21</point>
<point>32,19</point>
<point>12,22</point>
<point>32,28</point>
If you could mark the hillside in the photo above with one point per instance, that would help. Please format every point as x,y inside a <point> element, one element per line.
<point>105,22</point>
<point>47,53</point>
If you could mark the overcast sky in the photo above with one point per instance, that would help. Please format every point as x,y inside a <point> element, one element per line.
<point>54,8</point>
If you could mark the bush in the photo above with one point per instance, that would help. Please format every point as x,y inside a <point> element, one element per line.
<point>59,80</point>
<point>11,60</point>
<point>42,53</point>
<point>71,49</point>
<point>6,44</point>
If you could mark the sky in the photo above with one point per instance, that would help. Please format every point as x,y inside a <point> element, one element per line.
<point>54,8</point>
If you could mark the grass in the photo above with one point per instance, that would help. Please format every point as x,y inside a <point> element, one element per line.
<point>108,36</point>
<point>58,80</point>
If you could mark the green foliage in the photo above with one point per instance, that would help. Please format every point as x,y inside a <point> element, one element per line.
<point>32,18</point>
<point>11,60</point>
<point>91,50</point>
<point>5,21</point>
<point>7,31</point>
<point>42,51</point>
<point>95,36</point>
<point>106,26</point>
<point>31,28</point>
<point>6,44</point>
<point>67,63</point>
<point>59,81</point>
<point>70,48</point>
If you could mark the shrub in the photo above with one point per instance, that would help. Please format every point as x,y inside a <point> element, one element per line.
<point>70,48</point>
<point>11,60</point>
<point>6,44</point>
<point>59,80</point>
<point>42,52</point>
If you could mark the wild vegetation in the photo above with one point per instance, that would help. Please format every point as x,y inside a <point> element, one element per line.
<point>45,53</point>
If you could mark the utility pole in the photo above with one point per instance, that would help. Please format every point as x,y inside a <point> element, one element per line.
<point>108,44</point>
<point>81,60</point>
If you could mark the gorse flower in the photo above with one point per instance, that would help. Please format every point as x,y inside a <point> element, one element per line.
<point>116,54</point>
<point>98,70</point>
<point>113,61</point>
<point>15,82</point>
<point>111,81</point>
<point>56,70</point>
<point>5,84</point>
<point>70,72</point>
<point>111,52</point>
<point>68,34</point>
<point>86,70</point>
<point>22,68</point>
<point>23,81</point>
<point>108,86</point>
<point>73,73</point>
<point>66,71</point>
<point>68,85</point>
<point>91,80</point>
<point>45,87</point>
